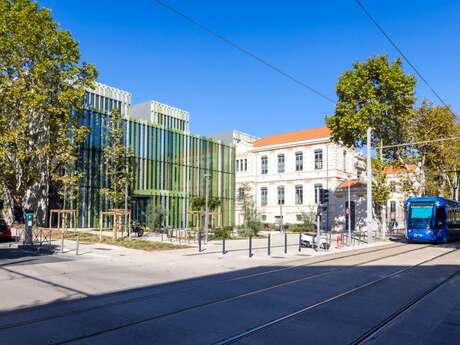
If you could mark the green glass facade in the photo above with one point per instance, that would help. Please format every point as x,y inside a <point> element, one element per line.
<point>169,167</point>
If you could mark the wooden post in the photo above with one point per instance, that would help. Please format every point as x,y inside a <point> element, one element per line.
<point>100,226</point>
<point>115,227</point>
<point>74,220</point>
<point>129,224</point>
<point>49,220</point>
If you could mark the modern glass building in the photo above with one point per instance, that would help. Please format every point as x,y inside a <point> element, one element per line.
<point>169,162</point>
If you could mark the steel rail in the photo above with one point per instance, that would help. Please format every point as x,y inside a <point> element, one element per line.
<point>412,303</point>
<point>228,298</point>
<point>233,339</point>
<point>151,295</point>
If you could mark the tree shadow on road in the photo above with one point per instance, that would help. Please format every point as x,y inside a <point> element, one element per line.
<point>230,302</point>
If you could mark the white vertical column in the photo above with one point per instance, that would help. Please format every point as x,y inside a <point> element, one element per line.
<point>370,223</point>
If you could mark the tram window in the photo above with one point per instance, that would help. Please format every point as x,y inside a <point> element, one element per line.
<point>420,215</point>
<point>440,215</point>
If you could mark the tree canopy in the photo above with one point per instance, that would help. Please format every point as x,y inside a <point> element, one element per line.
<point>198,203</point>
<point>439,161</point>
<point>379,94</point>
<point>117,159</point>
<point>42,83</point>
<point>376,94</point>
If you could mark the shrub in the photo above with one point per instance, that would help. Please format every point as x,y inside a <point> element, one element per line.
<point>221,233</point>
<point>228,228</point>
<point>297,228</point>
<point>245,232</point>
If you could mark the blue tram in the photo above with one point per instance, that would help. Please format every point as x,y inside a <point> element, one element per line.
<point>432,219</point>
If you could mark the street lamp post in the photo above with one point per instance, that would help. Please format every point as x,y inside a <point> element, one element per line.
<point>206,210</point>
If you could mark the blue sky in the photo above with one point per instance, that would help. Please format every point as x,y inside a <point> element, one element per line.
<point>143,48</point>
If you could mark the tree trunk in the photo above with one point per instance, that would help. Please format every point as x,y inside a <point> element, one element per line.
<point>12,208</point>
<point>37,199</point>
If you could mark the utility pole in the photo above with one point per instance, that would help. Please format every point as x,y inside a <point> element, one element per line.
<point>206,212</point>
<point>370,222</point>
<point>349,212</point>
<point>127,226</point>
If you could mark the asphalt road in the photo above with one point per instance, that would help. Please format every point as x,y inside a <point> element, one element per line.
<point>394,294</point>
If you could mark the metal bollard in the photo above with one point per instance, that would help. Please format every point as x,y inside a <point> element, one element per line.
<point>199,241</point>
<point>162,232</point>
<point>180,237</point>
<point>78,244</point>
<point>269,245</point>
<point>223,245</point>
<point>62,242</point>
<point>300,242</point>
<point>285,243</point>
<point>250,246</point>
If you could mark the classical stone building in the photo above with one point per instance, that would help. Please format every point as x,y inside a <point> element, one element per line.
<point>286,172</point>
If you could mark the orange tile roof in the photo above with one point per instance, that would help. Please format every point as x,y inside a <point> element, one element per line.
<point>353,184</point>
<point>306,134</point>
<point>393,170</point>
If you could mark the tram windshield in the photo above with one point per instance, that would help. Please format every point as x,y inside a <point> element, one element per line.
<point>420,215</point>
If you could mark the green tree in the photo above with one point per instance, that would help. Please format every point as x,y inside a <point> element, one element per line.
<point>213,203</point>
<point>308,220</point>
<point>380,188</point>
<point>252,223</point>
<point>68,177</point>
<point>42,84</point>
<point>117,159</point>
<point>198,203</point>
<point>376,94</point>
<point>156,215</point>
<point>438,162</point>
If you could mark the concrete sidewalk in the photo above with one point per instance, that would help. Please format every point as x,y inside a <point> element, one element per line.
<point>240,247</point>
<point>102,268</point>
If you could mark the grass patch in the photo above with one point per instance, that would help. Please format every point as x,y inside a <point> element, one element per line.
<point>234,237</point>
<point>125,243</point>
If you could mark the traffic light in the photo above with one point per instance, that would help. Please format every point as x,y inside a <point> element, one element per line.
<point>324,196</point>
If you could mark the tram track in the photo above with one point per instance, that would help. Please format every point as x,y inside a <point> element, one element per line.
<point>157,293</point>
<point>212,302</point>
<point>369,333</point>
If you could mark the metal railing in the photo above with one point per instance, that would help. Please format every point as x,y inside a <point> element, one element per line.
<point>47,239</point>
<point>266,244</point>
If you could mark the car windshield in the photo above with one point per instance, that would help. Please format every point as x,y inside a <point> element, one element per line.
<point>420,215</point>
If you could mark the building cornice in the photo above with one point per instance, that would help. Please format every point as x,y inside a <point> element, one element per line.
<point>325,140</point>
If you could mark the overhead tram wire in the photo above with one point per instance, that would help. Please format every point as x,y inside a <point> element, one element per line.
<point>425,142</point>
<point>243,50</point>
<point>380,28</point>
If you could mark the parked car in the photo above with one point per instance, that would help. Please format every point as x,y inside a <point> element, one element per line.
<point>5,230</point>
